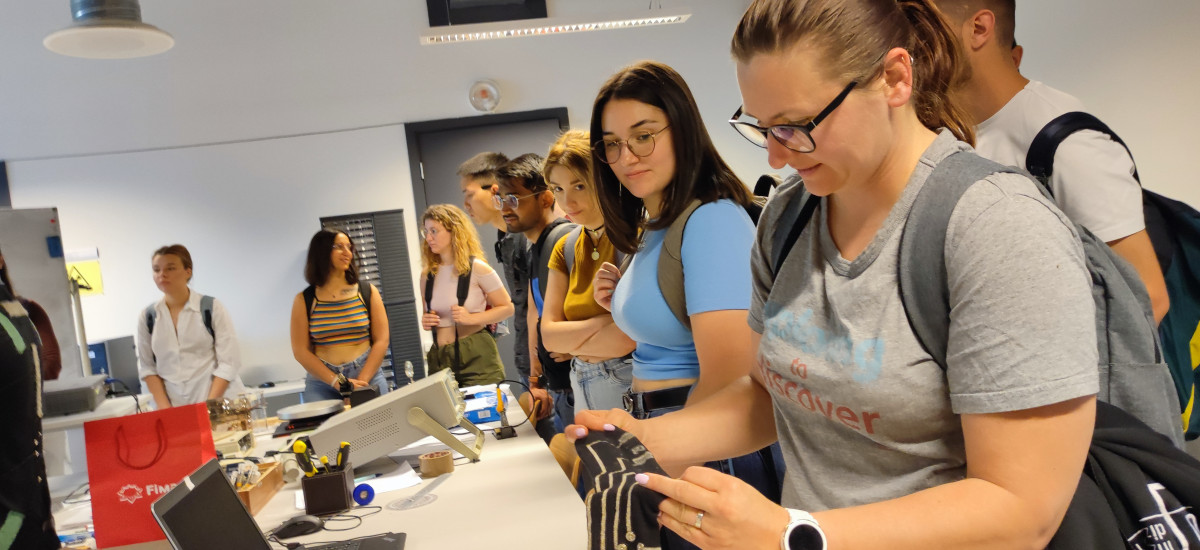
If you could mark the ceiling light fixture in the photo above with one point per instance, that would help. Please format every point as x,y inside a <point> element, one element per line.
<point>108,29</point>
<point>539,27</point>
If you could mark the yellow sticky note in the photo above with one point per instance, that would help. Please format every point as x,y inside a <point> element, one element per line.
<point>87,275</point>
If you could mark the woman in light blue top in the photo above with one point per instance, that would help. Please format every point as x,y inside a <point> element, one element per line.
<point>653,156</point>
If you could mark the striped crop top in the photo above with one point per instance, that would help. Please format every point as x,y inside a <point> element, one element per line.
<point>341,322</point>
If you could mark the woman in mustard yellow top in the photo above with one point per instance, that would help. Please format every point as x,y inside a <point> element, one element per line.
<point>572,321</point>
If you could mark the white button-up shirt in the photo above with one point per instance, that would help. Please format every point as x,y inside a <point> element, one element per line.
<point>185,355</point>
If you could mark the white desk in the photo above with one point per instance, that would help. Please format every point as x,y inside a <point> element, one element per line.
<point>515,492</point>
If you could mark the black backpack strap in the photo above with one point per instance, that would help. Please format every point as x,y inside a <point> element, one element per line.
<point>206,311</point>
<point>924,289</point>
<point>797,213</point>
<point>464,283</point>
<point>539,265</point>
<point>364,294</point>
<point>1039,161</point>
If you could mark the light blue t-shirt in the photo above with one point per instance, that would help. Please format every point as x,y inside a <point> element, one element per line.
<point>716,275</point>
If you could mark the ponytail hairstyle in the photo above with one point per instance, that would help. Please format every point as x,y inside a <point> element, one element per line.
<point>700,173</point>
<point>854,35</point>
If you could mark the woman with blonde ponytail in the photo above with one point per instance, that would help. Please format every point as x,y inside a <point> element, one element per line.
<point>884,447</point>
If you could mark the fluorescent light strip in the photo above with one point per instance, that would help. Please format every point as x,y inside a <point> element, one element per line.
<point>492,31</point>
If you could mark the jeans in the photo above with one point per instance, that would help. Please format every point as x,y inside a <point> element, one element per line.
<point>317,390</point>
<point>599,386</point>
<point>762,469</point>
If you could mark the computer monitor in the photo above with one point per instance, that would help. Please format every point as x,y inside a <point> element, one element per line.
<point>399,418</point>
<point>203,511</point>
<point>118,359</point>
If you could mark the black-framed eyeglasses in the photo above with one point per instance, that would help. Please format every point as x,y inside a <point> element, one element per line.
<point>511,199</point>
<point>640,144</point>
<point>796,137</point>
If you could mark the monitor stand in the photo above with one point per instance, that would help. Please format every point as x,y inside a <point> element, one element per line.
<point>422,421</point>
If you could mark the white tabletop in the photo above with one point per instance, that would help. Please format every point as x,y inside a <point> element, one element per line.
<point>110,408</point>
<point>516,491</point>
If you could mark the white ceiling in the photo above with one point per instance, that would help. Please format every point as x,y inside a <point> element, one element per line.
<point>244,69</point>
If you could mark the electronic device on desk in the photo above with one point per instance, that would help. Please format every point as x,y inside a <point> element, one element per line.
<point>398,418</point>
<point>118,359</point>
<point>234,443</point>
<point>203,512</point>
<point>306,416</point>
<point>72,395</point>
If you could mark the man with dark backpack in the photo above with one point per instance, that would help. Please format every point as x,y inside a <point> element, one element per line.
<point>527,207</point>
<point>1091,175</point>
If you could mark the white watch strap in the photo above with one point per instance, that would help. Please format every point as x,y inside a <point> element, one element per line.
<point>800,517</point>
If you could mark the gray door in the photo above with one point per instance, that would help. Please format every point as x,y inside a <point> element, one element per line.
<point>440,152</point>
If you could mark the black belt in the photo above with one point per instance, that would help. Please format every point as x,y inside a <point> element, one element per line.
<point>648,401</point>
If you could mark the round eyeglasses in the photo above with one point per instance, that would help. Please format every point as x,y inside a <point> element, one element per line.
<point>640,144</point>
<point>796,137</point>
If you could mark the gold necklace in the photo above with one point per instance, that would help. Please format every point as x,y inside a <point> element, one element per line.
<point>592,241</point>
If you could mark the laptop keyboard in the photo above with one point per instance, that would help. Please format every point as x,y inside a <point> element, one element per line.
<point>352,545</point>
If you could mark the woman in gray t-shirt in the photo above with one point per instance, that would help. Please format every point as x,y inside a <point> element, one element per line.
<point>885,449</point>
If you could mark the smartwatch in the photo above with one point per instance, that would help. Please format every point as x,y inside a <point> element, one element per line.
<point>802,533</point>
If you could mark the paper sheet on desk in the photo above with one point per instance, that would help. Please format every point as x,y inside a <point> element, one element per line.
<point>402,478</point>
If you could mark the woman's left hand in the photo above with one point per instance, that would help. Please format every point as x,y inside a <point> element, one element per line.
<point>359,383</point>
<point>713,510</point>
<point>462,316</point>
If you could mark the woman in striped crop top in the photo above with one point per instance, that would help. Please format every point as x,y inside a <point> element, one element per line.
<point>345,330</point>
<point>460,343</point>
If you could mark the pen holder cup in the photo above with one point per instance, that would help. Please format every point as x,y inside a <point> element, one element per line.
<point>328,493</point>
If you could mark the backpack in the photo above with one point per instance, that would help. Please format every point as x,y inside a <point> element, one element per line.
<point>364,294</point>
<point>464,287</point>
<point>1133,375</point>
<point>206,311</point>
<point>1174,229</point>
<point>557,373</point>
<point>670,260</point>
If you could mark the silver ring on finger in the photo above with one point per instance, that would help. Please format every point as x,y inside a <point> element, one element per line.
<point>699,519</point>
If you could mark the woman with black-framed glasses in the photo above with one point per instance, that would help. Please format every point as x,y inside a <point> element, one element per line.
<point>977,441</point>
<point>653,160</point>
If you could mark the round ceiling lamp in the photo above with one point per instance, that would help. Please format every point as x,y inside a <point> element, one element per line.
<point>108,29</point>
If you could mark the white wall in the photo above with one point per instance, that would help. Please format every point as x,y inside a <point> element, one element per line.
<point>274,68</point>
<point>245,211</point>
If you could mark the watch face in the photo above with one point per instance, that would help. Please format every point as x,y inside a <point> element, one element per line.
<point>806,537</point>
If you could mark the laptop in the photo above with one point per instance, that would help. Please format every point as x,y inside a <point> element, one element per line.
<point>188,512</point>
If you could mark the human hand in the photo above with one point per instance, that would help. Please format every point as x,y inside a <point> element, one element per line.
<point>605,283</point>
<point>545,406</point>
<point>430,320</point>
<point>602,420</point>
<point>462,316</point>
<point>359,383</point>
<point>560,357</point>
<point>715,510</point>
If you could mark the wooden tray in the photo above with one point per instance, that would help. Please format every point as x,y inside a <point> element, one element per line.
<point>256,496</point>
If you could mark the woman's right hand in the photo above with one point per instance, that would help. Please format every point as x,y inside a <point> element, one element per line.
<point>605,283</point>
<point>602,421</point>
<point>430,320</point>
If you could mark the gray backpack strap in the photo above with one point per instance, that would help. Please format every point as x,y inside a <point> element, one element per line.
<point>569,247</point>
<point>206,311</point>
<point>923,280</point>
<point>151,315</point>
<point>670,266</point>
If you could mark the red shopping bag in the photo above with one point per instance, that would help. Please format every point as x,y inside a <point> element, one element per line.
<point>133,460</point>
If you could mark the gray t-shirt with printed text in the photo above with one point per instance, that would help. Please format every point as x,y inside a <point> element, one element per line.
<point>864,414</point>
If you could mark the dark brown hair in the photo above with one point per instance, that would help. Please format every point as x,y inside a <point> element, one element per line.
<point>178,251</point>
<point>4,276</point>
<point>853,35</point>
<point>700,173</point>
<point>320,262</point>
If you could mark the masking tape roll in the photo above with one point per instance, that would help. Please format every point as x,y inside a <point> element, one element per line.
<point>363,494</point>
<point>436,463</point>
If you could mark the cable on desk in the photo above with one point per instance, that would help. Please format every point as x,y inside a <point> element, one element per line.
<point>347,516</point>
<point>527,390</point>
<point>72,498</point>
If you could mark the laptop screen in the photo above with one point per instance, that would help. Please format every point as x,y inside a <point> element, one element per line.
<point>208,514</point>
